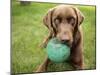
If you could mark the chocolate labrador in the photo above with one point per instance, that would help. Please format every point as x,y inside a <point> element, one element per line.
<point>64,22</point>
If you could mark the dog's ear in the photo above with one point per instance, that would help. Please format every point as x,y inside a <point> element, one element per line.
<point>80,16</point>
<point>47,20</point>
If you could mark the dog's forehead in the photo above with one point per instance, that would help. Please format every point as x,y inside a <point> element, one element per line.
<point>64,10</point>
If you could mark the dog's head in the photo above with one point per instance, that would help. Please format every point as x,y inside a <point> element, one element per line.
<point>63,21</point>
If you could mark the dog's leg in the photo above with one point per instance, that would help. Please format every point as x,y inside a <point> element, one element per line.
<point>77,63</point>
<point>77,56</point>
<point>43,66</point>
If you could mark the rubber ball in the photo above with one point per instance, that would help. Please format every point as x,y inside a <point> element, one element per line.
<point>57,51</point>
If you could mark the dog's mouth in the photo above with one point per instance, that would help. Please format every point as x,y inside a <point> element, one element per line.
<point>68,43</point>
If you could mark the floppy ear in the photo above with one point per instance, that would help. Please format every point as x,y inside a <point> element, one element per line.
<point>79,20</point>
<point>80,16</point>
<point>47,20</point>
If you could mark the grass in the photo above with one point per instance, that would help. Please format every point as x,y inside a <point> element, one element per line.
<point>28,32</point>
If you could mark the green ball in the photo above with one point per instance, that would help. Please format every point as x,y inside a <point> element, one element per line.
<point>57,52</point>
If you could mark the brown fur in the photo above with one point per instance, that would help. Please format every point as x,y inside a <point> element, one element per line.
<point>63,22</point>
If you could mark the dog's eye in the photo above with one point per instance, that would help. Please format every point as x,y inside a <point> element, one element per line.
<point>57,21</point>
<point>71,20</point>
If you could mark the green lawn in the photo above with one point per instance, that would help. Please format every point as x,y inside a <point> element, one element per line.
<point>28,32</point>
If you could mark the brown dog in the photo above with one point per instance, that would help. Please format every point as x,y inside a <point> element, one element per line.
<point>63,22</point>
